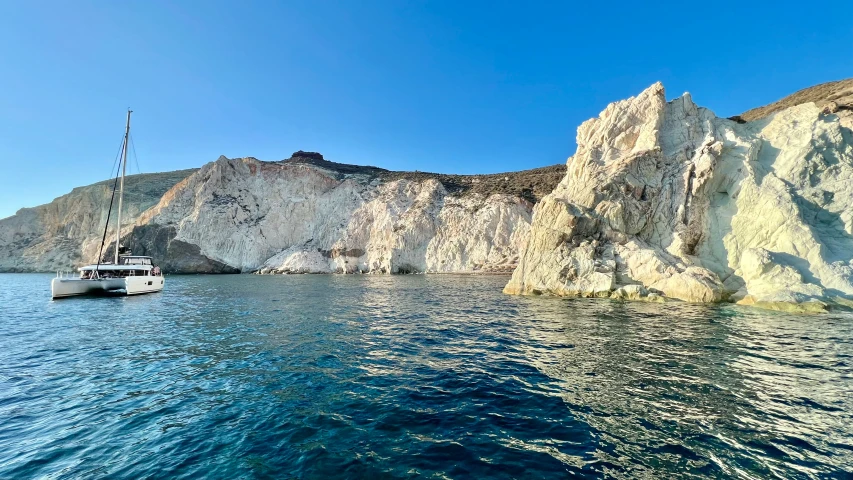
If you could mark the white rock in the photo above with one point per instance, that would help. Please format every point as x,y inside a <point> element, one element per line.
<point>698,207</point>
<point>254,215</point>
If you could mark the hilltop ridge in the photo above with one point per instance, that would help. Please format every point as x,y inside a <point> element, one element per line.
<point>830,97</point>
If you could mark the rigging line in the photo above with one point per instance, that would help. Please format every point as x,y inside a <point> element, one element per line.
<point>118,155</point>
<point>116,159</point>
<point>107,223</point>
<point>135,158</point>
<point>138,170</point>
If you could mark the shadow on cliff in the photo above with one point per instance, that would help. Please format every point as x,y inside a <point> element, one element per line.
<point>827,227</point>
<point>765,160</point>
<point>172,255</point>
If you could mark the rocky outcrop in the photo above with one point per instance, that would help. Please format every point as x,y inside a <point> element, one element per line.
<point>66,231</point>
<point>669,197</point>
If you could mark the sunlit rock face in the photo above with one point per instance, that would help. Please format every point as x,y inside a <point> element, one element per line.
<point>698,208</point>
<point>65,232</point>
<point>301,215</point>
<point>273,217</point>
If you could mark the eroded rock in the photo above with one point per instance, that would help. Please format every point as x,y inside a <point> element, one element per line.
<point>293,217</point>
<point>698,208</point>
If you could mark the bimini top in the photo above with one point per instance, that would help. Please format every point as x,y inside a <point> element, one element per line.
<point>126,262</point>
<point>134,260</point>
<point>111,267</point>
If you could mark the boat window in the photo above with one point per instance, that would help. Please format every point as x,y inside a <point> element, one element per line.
<point>136,261</point>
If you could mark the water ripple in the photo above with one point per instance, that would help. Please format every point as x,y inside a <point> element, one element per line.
<point>400,377</point>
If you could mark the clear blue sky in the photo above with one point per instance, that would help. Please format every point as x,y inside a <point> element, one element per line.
<point>459,87</point>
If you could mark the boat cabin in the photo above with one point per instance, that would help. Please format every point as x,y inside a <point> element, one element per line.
<point>129,266</point>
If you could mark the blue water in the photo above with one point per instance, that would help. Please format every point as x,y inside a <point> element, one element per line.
<point>413,376</point>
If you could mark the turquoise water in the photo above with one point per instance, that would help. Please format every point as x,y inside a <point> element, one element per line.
<point>413,376</point>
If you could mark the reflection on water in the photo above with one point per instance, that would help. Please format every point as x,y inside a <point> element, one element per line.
<point>395,377</point>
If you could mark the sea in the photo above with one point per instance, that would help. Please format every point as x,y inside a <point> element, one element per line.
<point>413,376</point>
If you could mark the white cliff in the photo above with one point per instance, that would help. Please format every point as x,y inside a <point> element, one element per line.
<point>667,196</point>
<point>248,215</point>
<point>301,215</point>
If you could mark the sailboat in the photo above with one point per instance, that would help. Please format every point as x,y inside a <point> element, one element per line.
<point>128,274</point>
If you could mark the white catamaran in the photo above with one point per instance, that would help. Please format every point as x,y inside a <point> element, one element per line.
<point>128,273</point>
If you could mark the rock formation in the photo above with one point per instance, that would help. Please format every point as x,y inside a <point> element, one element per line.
<point>300,215</point>
<point>293,217</point>
<point>665,197</point>
<point>56,235</point>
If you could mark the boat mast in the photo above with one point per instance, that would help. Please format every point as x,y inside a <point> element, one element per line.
<point>121,185</point>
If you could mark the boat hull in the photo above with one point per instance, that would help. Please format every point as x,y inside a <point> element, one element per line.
<point>73,287</point>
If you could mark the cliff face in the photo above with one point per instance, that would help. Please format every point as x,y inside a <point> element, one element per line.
<point>247,215</point>
<point>64,232</point>
<point>304,214</point>
<point>666,198</point>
